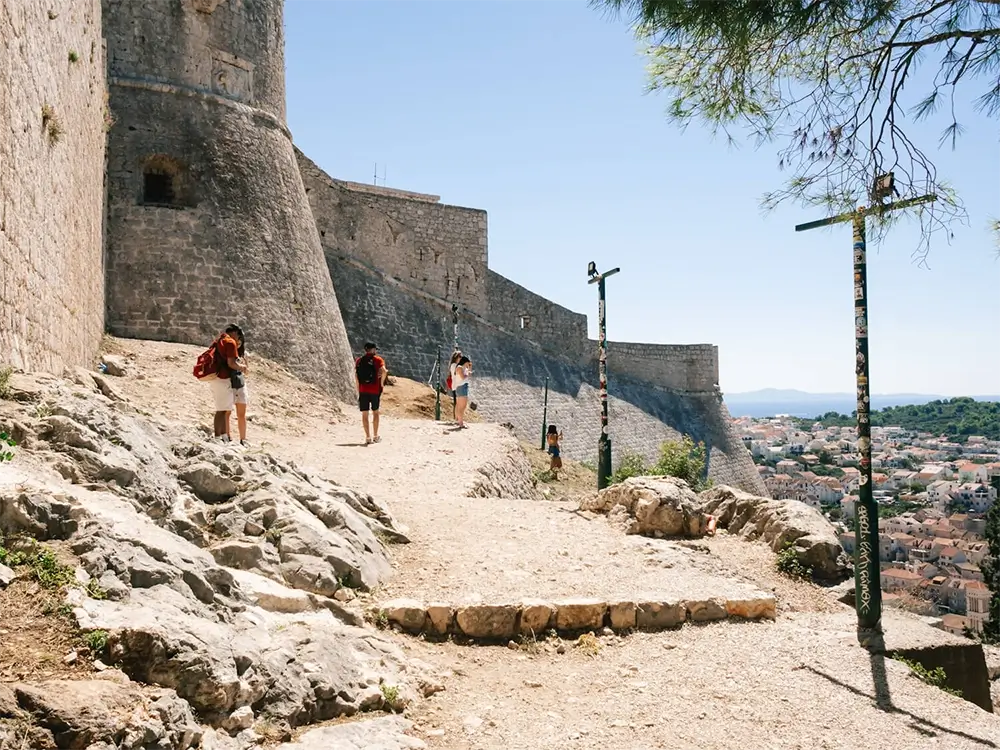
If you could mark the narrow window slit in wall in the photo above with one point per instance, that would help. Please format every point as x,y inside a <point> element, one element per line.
<point>525,321</point>
<point>157,189</point>
<point>165,183</point>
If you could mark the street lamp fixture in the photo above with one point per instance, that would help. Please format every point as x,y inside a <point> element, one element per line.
<point>884,187</point>
<point>604,441</point>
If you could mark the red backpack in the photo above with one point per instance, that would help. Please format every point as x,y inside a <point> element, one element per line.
<point>207,366</point>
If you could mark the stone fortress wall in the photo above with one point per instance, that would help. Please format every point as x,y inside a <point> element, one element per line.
<point>691,367</point>
<point>392,282</point>
<point>531,317</point>
<point>52,97</point>
<point>208,220</point>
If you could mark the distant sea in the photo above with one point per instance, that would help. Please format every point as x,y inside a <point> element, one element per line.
<point>809,405</point>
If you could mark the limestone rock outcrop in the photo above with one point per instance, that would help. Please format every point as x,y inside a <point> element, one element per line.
<point>652,506</point>
<point>779,522</point>
<point>220,573</point>
<point>110,712</point>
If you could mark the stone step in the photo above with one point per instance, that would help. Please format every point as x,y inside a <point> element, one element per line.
<point>531,617</point>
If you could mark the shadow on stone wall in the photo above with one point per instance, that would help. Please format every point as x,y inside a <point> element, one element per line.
<point>510,376</point>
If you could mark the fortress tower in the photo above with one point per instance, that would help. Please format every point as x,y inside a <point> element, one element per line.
<point>208,220</point>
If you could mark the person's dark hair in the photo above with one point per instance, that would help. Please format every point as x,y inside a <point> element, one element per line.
<point>233,328</point>
<point>463,359</point>
<point>369,346</point>
<point>553,430</point>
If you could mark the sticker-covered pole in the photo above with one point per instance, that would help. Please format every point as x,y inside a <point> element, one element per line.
<point>867,584</point>
<point>604,442</point>
<point>545,411</point>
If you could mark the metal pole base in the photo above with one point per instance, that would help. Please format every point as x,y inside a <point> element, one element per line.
<point>871,638</point>
<point>603,462</point>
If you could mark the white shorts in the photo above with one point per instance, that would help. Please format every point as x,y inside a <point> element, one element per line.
<point>241,395</point>
<point>222,394</point>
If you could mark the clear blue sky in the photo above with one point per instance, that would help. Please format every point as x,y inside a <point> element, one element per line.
<point>535,111</point>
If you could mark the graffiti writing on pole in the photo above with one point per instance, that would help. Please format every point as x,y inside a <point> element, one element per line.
<point>864,560</point>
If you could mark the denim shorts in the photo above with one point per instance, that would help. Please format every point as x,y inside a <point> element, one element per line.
<point>462,391</point>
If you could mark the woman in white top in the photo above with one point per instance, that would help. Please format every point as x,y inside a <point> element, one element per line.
<point>461,372</point>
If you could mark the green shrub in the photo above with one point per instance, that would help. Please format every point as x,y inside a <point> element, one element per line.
<point>682,458</point>
<point>685,460</point>
<point>788,564</point>
<point>629,465</point>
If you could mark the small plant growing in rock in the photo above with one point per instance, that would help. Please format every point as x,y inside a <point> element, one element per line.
<point>5,373</point>
<point>51,124</point>
<point>391,695</point>
<point>95,590</point>
<point>271,732</point>
<point>6,443</point>
<point>528,642</point>
<point>378,618</point>
<point>59,610</point>
<point>44,410</point>
<point>588,644</point>
<point>109,118</point>
<point>51,573</point>
<point>273,536</point>
<point>788,564</point>
<point>544,476</point>
<point>345,581</point>
<point>40,560</point>
<point>73,56</point>
<point>935,677</point>
<point>97,641</point>
<point>9,556</point>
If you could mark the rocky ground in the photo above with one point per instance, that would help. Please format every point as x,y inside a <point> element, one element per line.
<point>184,593</point>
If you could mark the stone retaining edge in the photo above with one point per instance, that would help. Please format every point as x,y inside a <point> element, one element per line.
<point>533,617</point>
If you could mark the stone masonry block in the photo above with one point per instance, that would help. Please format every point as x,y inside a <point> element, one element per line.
<point>706,610</point>
<point>580,614</point>
<point>536,617</point>
<point>653,616</point>
<point>622,615</point>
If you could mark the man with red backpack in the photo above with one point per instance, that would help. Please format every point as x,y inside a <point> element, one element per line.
<point>370,371</point>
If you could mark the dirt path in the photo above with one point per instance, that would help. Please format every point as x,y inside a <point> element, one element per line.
<point>798,682</point>
<point>487,549</point>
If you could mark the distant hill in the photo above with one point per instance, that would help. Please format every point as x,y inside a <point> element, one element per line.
<point>957,417</point>
<point>770,402</point>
